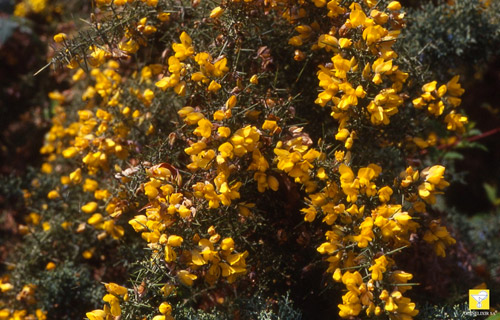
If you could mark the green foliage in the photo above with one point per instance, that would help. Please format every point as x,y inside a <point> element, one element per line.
<point>494,317</point>
<point>445,312</point>
<point>445,38</point>
<point>492,193</point>
<point>257,307</point>
<point>480,233</point>
<point>264,309</point>
<point>10,190</point>
<point>69,290</point>
<point>191,314</point>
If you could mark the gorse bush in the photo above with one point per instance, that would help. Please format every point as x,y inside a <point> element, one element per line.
<point>211,158</point>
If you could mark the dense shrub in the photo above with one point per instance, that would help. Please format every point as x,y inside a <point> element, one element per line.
<point>240,160</point>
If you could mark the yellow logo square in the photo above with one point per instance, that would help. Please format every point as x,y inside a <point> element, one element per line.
<point>479,299</point>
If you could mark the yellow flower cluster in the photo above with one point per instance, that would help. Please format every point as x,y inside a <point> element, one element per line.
<point>362,82</point>
<point>26,296</point>
<point>231,138</point>
<point>23,8</point>
<point>168,208</point>
<point>112,307</point>
<point>363,59</point>
<point>345,80</point>
<point>387,223</point>
<point>442,101</point>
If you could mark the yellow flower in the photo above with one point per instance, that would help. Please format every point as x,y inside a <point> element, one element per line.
<point>103,2</point>
<point>327,248</point>
<point>379,268</point>
<point>374,33</point>
<point>352,280</point>
<point>345,42</point>
<point>295,41</point>
<point>384,194</point>
<point>164,16</point>
<point>114,304</point>
<point>90,207</point>
<point>95,219</point>
<point>342,134</point>
<point>436,109</point>
<point>194,117</point>
<point>165,308</point>
<point>394,6</point>
<point>269,125</point>
<point>115,289</point>
<point>429,87</point>
<point>38,5</point>
<point>366,234</point>
<point>150,191</point>
<point>46,226</point>
<point>184,49</point>
<point>53,194</point>
<point>434,181</point>
<point>401,277</point>
<point>273,183</point>
<point>97,56</point>
<point>337,275</point>
<point>34,218</point>
<point>96,315</point>
<point>226,150</point>
<point>227,244</point>
<point>254,79</point>
<point>102,194</point>
<point>204,128</point>
<point>231,102</point>
<point>76,176</point>
<point>379,17</point>
<point>351,305</point>
<point>455,122</point>
<point>214,86</point>
<point>224,132</point>
<point>174,240</point>
<point>50,266</point>
<point>381,66</point>
<point>406,308</point>
<point>216,12</point>
<point>167,289</point>
<point>90,185</point>
<point>454,88</point>
<point>60,37</point>
<point>310,213</point>
<point>184,212</point>
<point>299,55</point>
<point>20,10</point>
<point>186,277</point>
<point>139,223</point>
<point>245,140</point>
<point>321,174</point>
<point>357,17</point>
<point>328,42</point>
<point>168,82</point>
<point>438,236</point>
<point>319,3</point>
<point>341,66</point>
<point>46,167</point>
